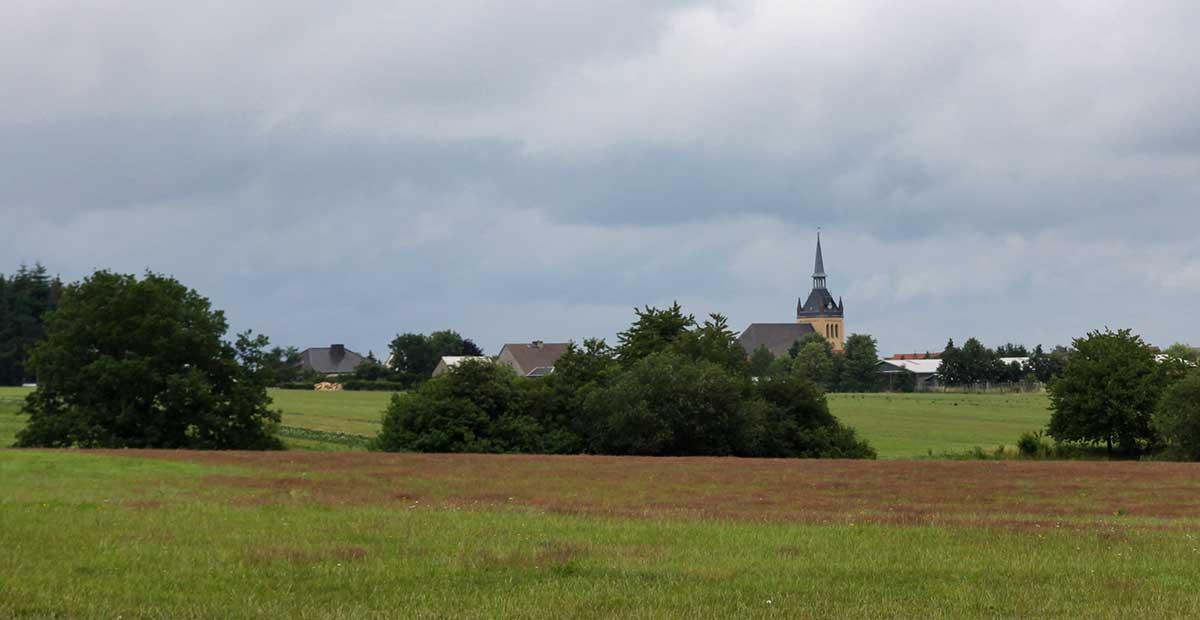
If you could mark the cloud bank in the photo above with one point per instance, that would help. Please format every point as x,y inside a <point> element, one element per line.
<point>531,169</point>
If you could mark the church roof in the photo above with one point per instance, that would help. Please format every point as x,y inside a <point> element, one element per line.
<point>820,303</point>
<point>776,337</point>
<point>819,265</point>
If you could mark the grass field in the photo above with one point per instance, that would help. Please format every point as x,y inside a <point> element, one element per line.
<point>915,425</point>
<point>898,425</point>
<point>357,535</point>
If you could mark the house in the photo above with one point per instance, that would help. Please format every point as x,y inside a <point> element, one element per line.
<point>816,314</point>
<point>923,368</point>
<point>534,359</point>
<point>332,360</point>
<point>450,361</point>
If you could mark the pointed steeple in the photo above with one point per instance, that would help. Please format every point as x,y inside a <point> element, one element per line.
<point>819,267</point>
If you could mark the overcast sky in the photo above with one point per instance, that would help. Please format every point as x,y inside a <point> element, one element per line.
<point>515,170</point>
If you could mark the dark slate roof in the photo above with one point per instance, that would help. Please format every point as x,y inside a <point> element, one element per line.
<point>330,360</point>
<point>819,303</point>
<point>532,355</point>
<point>819,266</point>
<point>540,371</point>
<point>777,337</point>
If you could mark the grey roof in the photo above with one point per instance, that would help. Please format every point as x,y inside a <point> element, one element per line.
<point>819,266</point>
<point>819,303</point>
<point>330,360</point>
<point>531,355</point>
<point>777,337</point>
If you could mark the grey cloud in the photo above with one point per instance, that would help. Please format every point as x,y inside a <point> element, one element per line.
<point>343,172</point>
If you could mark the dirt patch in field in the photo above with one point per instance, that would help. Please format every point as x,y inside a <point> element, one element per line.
<point>1020,494</point>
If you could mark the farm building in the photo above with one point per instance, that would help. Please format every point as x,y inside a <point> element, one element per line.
<point>818,313</point>
<point>924,367</point>
<point>332,360</point>
<point>450,361</point>
<point>533,359</point>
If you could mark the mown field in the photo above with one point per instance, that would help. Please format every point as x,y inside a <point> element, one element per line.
<point>128,534</point>
<point>898,425</point>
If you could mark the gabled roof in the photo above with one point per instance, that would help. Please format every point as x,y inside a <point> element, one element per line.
<point>330,360</point>
<point>776,337</point>
<point>527,356</point>
<point>450,361</point>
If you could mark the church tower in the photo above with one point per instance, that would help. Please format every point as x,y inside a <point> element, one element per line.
<point>820,310</point>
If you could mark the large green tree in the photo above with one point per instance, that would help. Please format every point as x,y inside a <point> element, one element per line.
<point>1107,393</point>
<point>859,365</point>
<point>132,363</point>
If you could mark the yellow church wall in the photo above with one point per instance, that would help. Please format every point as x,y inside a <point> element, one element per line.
<point>831,328</point>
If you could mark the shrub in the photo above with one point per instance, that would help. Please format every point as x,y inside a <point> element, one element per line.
<point>1031,444</point>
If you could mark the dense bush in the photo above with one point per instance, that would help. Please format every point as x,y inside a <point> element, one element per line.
<point>671,387</point>
<point>478,407</point>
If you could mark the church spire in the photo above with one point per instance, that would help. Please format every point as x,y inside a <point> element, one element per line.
<point>819,267</point>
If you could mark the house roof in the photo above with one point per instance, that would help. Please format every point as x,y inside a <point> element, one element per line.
<point>330,360</point>
<point>532,355</point>
<point>929,366</point>
<point>919,367</point>
<point>776,337</point>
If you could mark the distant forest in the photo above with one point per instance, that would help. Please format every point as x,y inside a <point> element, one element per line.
<point>25,297</point>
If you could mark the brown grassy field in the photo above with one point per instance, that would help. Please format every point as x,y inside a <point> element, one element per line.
<point>1023,494</point>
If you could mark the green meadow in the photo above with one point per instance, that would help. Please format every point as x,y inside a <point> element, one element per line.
<point>898,425</point>
<point>165,535</point>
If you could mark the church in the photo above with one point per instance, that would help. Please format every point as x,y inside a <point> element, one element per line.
<point>818,314</point>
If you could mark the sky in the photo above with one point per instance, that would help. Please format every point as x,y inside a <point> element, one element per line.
<point>341,172</point>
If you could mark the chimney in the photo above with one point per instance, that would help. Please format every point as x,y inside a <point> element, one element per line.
<point>537,344</point>
<point>337,351</point>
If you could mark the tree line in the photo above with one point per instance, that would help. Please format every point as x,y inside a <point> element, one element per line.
<point>671,386</point>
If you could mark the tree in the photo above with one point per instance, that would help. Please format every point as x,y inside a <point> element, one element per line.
<point>24,300</point>
<point>859,365</point>
<point>1183,352</point>
<point>284,364</point>
<point>131,363</point>
<point>760,362</point>
<point>653,331</point>
<point>666,404</point>
<point>414,356</point>
<point>949,370</point>
<point>906,381</point>
<point>815,361</point>
<point>788,416</point>
<point>1009,349</point>
<point>1177,419</point>
<point>977,363</point>
<point>1107,393</point>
